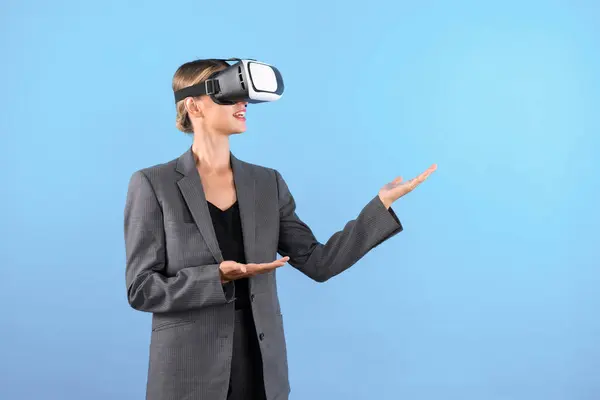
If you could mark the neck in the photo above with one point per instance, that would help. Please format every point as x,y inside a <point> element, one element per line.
<point>212,152</point>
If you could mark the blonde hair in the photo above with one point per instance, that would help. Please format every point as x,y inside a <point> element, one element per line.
<point>192,73</point>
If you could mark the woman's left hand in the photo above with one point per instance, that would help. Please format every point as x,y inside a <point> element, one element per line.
<point>397,188</point>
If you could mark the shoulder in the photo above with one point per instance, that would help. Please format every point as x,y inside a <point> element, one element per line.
<point>268,179</point>
<point>159,171</point>
<point>156,174</point>
<point>262,173</point>
<point>259,171</point>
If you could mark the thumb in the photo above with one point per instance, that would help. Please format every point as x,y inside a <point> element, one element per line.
<point>393,184</point>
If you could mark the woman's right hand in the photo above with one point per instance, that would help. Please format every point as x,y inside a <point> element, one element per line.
<point>231,270</point>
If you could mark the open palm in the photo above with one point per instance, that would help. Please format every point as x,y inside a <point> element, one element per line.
<point>397,188</point>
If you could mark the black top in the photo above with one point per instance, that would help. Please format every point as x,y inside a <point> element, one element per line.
<point>228,228</point>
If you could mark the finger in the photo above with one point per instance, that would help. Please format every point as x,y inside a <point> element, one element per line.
<point>429,170</point>
<point>270,266</point>
<point>236,274</point>
<point>239,270</point>
<point>396,182</point>
<point>424,175</point>
<point>411,184</point>
<point>393,183</point>
<point>264,267</point>
<point>278,262</point>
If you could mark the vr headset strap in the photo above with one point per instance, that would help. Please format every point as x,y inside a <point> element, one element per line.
<point>208,87</point>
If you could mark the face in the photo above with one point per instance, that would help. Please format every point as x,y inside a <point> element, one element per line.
<point>223,119</point>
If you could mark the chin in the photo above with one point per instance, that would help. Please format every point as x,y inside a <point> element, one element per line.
<point>238,129</point>
<point>232,130</point>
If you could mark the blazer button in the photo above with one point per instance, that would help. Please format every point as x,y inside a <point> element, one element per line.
<point>261,336</point>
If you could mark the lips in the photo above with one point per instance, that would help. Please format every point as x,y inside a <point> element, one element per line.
<point>241,115</point>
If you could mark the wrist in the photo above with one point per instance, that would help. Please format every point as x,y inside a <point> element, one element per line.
<point>222,276</point>
<point>386,202</point>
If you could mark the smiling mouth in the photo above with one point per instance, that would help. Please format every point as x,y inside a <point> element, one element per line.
<point>241,115</point>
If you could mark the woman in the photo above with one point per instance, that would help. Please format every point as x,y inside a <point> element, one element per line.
<point>202,233</point>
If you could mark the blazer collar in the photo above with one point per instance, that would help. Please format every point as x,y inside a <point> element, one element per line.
<point>186,165</point>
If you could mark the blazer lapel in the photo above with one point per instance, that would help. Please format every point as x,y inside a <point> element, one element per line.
<point>245,186</point>
<point>193,194</point>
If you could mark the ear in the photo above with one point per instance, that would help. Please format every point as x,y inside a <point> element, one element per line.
<point>194,107</point>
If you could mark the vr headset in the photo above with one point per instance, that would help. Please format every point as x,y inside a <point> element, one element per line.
<point>245,81</point>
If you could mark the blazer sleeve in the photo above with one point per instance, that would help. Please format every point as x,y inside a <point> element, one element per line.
<point>322,261</point>
<point>148,288</point>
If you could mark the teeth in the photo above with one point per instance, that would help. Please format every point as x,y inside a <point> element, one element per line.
<point>241,114</point>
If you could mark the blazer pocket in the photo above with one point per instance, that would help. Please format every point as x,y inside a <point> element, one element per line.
<point>174,223</point>
<point>171,324</point>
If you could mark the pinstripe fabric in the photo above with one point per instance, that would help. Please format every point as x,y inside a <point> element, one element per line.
<point>172,259</point>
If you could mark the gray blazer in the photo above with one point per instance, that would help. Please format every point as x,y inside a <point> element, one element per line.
<point>172,271</point>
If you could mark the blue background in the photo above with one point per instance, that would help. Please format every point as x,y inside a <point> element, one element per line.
<point>491,292</point>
